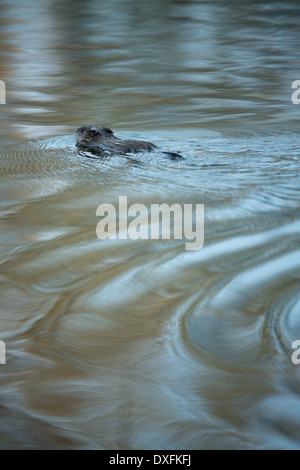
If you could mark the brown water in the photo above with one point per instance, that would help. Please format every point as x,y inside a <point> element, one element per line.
<point>123,344</point>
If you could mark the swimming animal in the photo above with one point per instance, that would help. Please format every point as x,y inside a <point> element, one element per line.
<point>100,140</point>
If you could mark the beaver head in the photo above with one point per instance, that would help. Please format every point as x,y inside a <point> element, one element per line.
<point>103,139</point>
<point>93,135</point>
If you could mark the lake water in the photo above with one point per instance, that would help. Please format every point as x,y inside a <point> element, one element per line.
<point>142,344</point>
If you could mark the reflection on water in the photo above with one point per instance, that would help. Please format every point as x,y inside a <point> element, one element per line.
<point>123,344</point>
<point>148,64</point>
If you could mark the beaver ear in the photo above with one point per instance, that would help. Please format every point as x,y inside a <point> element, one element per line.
<point>109,131</point>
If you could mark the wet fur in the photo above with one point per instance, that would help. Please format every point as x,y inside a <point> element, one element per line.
<point>99,140</point>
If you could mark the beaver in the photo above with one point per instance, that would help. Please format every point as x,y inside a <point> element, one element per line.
<point>100,140</point>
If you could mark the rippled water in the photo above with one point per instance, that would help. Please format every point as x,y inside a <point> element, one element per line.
<point>141,344</point>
